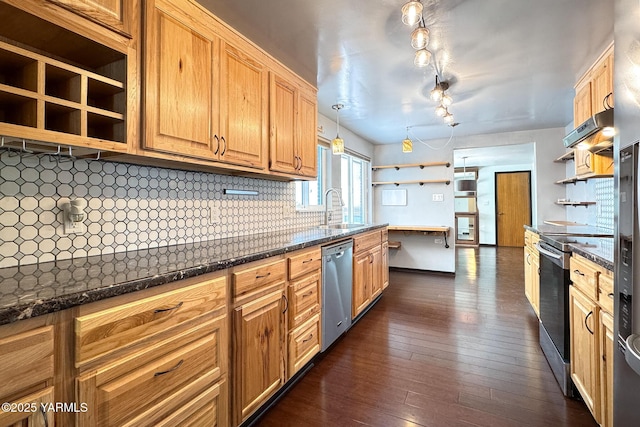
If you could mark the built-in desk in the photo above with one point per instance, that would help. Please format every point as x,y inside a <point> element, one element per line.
<point>423,229</point>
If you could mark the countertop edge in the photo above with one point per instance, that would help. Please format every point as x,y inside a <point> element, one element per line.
<point>54,304</point>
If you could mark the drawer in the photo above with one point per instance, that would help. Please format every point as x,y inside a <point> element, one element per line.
<point>584,276</point>
<point>206,409</point>
<point>367,240</point>
<point>304,343</point>
<point>305,262</point>
<point>164,384</point>
<point>248,280</point>
<point>304,299</point>
<point>26,360</point>
<point>109,330</point>
<point>605,292</point>
<point>385,234</point>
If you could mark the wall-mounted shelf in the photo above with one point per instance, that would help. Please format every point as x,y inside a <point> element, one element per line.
<point>569,203</point>
<point>422,229</point>
<point>421,182</point>
<point>394,245</point>
<point>411,165</point>
<point>585,177</point>
<point>570,155</point>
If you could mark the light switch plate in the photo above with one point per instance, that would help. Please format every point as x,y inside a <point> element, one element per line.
<point>214,214</point>
<point>438,197</point>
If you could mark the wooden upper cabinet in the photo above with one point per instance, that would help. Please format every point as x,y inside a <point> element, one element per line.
<point>602,84</point>
<point>179,87</point>
<point>113,14</point>
<point>293,145</point>
<point>244,109</point>
<point>582,104</point>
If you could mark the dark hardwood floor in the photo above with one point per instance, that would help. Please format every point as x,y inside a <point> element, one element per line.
<point>438,350</point>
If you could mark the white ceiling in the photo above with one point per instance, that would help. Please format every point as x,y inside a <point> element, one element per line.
<point>504,155</point>
<point>511,64</point>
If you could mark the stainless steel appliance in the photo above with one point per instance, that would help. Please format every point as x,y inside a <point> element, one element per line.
<point>554,308</point>
<point>337,278</point>
<point>596,132</point>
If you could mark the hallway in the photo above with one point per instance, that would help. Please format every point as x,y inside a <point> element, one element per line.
<point>438,350</point>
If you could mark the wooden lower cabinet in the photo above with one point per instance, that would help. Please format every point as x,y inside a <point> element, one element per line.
<point>370,269</point>
<point>532,278</point>
<point>304,343</point>
<point>362,278</point>
<point>385,265</point>
<point>606,369</point>
<point>37,414</point>
<point>259,354</point>
<point>583,324</point>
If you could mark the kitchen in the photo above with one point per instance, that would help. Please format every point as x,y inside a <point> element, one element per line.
<point>155,197</point>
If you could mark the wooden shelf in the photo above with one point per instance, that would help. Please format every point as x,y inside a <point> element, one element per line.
<point>420,181</point>
<point>570,155</point>
<point>578,178</point>
<point>411,165</point>
<point>423,229</point>
<point>569,203</point>
<point>394,245</point>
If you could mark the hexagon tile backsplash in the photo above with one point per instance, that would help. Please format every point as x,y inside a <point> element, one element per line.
<point>129,207</point>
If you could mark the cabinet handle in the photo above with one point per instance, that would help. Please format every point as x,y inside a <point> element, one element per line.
<point>585,322</point>
<point>263,276</point>
<point>307,260</point>
<point>224,146</point>
<point>308,294</point>
<point>587,160</point>
<point>528,258</point>
<point>217,144</point>
<point>610,295</point>
<point>308,339</point>
<point>578,272</point>
<point>286,303</point>
<point>157,374</point>
<point>162,310</point>
<point>370,259</point>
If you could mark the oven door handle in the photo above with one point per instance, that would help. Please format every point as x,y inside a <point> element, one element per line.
<point>548,253</point>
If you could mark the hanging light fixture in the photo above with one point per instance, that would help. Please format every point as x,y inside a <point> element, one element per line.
<point>337,144</point>
<point>411,13</point>
<point>467,185</point>
<point>446,100</point>
<point>441,111</point>
<point>422,58</point>
<point>420,37</point>
<point>407,144</point>
<point>448,117</point>
<point>437,93</point>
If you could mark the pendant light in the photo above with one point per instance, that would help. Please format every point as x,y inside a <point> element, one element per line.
<point>437,93</point>
<point>411,13</point>
<point>407,144</point>
<point>337,144</point>
<point>420,37</point>
<point>422,58</point>
<point>448,117</point>
<point>467,185</point>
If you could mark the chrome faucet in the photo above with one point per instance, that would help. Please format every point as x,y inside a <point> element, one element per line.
<point>327,215</point>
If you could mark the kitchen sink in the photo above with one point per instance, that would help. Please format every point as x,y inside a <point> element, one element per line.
<point>340,226</point>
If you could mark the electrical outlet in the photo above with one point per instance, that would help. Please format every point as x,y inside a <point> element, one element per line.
<point>214,214</point>
<point>438,197</point>
<point>438,241</point>
<point>71,227</point>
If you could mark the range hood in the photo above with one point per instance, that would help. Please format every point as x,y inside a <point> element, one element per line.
<point>596,134</point>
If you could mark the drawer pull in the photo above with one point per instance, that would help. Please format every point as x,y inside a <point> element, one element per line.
<point>162,310</point>
<point>585,322</point>
<point>157,374</point>
<point>286,303</point>
<point>44,416</point>
<point>263,276</point>
<point>307,260</point>
<point>578,272</point>
<point>307,339</point>
<point>610,295</point>
<point>308,294</point>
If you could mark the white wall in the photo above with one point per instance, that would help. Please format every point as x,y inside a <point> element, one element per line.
<point>421,252</point>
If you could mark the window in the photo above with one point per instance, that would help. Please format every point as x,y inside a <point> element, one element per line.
<point>355,179</point>
<point>309,193</point>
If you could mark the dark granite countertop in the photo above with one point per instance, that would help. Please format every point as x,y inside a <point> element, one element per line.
<point>37,289</point>
<point>583,240</point>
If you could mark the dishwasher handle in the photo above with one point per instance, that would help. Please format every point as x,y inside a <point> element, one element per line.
<point>339,254</point>
<point>548,253</point>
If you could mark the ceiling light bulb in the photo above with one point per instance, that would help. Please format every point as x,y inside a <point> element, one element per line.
<point>446,100</point>
<point>411,12</point>
<point>422,58</point>
<point>440,111</point>
<point>407,145</point>
<point>436,94</point>
<point>420,38</point>
<point>448,118</point>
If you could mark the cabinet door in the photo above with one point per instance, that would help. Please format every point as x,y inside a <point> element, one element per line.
<point>361,282</point>
<point>283,156</point>
<point>114,14</point>
<point>583,324</point>
<point>244,109</point>
<point>259,354</point>
<point>307,134</point>
<point>385,265</point>
<point>376,272</point>
<point>178,72</point>
<point>535,281</point>
<point>36,416</point>
<point>528,278</point>
<point>602,84</point>
<point>606,369</point>
<point>582,104</point>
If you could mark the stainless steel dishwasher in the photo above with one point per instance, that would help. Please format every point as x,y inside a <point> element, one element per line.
<point>337,276</point>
